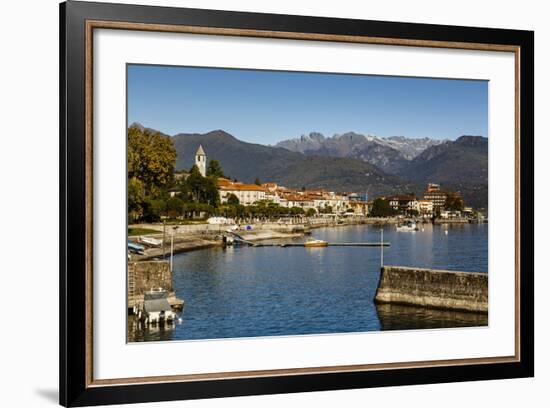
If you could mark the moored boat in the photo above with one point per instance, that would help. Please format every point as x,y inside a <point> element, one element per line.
<point>407,227</point>
<point>135,248</point>
<point>156,308</point>
<point>315,243</point>
<point>150,241</point>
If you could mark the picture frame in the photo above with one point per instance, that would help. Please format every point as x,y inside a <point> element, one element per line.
<point>78,20</point>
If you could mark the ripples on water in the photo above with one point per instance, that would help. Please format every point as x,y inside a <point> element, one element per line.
<point>268,291</point>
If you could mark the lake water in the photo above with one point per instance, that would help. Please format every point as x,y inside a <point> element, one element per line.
<point>271,291</point>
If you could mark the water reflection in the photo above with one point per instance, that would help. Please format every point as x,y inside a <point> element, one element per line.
<point>139,331</point>
<point>400,317</point>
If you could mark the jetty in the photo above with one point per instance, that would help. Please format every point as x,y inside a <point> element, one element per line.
<point>433,288</point>
<point>231,237</point>
<point>330,244</point>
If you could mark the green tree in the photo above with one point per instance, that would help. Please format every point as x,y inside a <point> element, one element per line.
<point>211,194</point>
<point>454,201</point>
<point>136,199</point>
<point>232,199</point>
<point>195,183</point>
<point>257,181</point>
<point>154,209</point>
<point>311,212</point>
<point>174,207</point>
<point>201,189</point>
<point>381,208</point>
<point>214,169</point>
<point>151,159</point>
<point>297,211</point>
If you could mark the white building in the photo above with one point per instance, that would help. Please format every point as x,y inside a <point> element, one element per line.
<point>425,208</point>
<point>200,160</point>
<point>246,193</point>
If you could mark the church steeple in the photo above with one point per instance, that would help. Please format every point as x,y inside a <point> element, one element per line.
<point>200,160</point>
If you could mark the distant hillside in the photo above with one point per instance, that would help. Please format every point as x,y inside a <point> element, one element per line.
<point>246,161</point>
<point>390,154</point>
<point>461,164</point>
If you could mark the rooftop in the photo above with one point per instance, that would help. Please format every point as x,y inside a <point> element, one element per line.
<point>200,151</point>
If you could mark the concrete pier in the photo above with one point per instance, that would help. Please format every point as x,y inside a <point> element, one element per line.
<point>467,291</point>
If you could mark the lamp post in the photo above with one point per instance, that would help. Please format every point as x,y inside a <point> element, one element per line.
<point>172,247</point>
<point>381,247</point>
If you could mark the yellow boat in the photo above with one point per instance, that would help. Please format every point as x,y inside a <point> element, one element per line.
<point>315,243</point>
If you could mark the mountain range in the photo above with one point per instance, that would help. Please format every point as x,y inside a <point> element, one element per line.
<point>248,161</point>
<point>389,154</point>
<point>349,162</point>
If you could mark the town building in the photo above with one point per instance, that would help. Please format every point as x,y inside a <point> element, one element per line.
<point>320,200</point>
<point>425,208</point>
<point>247,194</point>
<point>403,204</point>
<point>358,207</point>
<point>200,160</point>
<point>436,196</point>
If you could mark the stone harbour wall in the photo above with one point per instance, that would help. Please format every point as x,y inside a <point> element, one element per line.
<point>148,275</point>
<point>440,289</point>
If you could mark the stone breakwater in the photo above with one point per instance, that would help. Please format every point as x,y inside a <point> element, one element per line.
<point>144,276</point>
<point>467,291</point>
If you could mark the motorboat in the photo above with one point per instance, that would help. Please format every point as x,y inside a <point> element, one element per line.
<point>315,243</point>
<point>408,227</point>
<point>156,308</point>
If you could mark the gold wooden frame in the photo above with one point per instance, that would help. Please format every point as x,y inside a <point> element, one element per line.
<point>98,24</point>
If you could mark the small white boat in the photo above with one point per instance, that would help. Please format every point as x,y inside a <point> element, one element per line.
<point>408,227</point>
<point>135,248</point>
<point>315,243</point>
<point>156,308</point>
<point>150,241</point>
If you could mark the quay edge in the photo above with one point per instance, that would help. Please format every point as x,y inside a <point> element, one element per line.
<point>440,289</point>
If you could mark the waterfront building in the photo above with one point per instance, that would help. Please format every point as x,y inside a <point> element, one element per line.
<point>436,196</point>
<point>432,187</point>
<point>425,208</point>
<point>200,160</point>
<point>447,214</point>
<point>271,192</point>
<point>246,193</point>
<point>403,203</point>
<point>468,211</point>
<point>174,192</point>
<point>359,207</point>
<point>297,200</point>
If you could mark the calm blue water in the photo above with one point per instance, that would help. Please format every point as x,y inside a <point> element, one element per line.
<point>268,291</point>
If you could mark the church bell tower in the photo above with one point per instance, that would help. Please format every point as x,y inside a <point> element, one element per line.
<point>200,160</point>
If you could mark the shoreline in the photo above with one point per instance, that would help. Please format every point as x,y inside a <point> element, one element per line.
<point>195,243</point>
<point>207,236</point>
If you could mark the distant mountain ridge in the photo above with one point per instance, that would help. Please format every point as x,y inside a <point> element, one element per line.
<point>248,161</point>
<point>390,154</point>
<point>460,165</point>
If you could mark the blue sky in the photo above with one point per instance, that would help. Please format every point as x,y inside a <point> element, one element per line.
<point>268,106</point>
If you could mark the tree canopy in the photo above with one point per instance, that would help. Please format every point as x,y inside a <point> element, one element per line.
<point>454,201</point>
<point>151,159</point>
<point>151,162</point>
<point>214,169</point>
<point>381,208</point>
